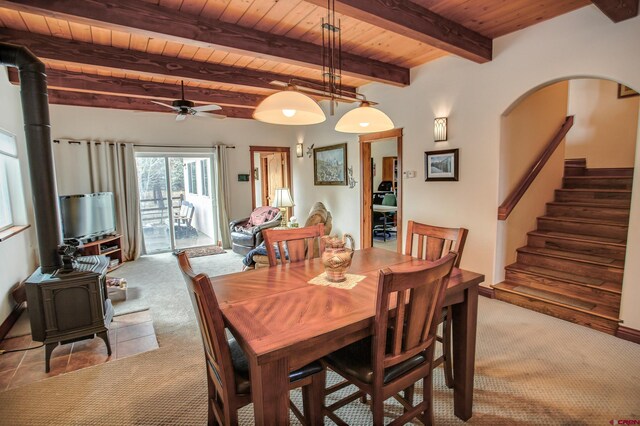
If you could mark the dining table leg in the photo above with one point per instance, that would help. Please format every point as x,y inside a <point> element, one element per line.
<point>270,392</point>
<point>464,322</point>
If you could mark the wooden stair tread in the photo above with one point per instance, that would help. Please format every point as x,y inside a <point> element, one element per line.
<point>598,283</point>
<point>598,177</point>
<point>575,161</point>
<point>628,191</point>
<point>559,300</point>
<point>580,237</point>
<point>609,171</point>
<point>574,256</point>
<point>583,220</point>
<point>595,204</point>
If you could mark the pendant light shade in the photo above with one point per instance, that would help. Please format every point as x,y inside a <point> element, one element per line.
<point>364,119</point>
<point>289,107</point>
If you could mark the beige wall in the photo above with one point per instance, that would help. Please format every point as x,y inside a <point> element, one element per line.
<point>605,129</point>
<point>341,201</point>
<point>147,128</point>
<point>525,132</point>
<point>474,97</point>
<point>17,254</point>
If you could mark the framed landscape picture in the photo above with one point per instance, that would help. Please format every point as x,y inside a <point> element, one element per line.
<point>330,165</point>
<point>441,165</point>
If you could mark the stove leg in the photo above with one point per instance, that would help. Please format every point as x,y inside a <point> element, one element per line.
<point>105,336</point>
<point>49,347</point>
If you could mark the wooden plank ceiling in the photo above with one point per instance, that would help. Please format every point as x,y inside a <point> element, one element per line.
<point>122,53</point>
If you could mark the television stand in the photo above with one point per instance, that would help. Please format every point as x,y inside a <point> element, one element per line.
<point>110,246</point>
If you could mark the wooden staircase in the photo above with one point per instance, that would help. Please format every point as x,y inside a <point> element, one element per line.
<point>572,265</point>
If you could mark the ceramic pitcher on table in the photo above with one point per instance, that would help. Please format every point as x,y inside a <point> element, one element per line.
<point>336,257</point>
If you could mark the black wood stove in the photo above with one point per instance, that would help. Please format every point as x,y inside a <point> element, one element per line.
<point>65,302</point>
<point>68,306</point>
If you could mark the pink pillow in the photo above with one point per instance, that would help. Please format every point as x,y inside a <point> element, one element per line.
<point>262,215</point>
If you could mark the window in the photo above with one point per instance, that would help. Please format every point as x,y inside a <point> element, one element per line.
<point>10,183</point>
<point>191,172</point>
<point>204,177</point>
<point>6,216</point>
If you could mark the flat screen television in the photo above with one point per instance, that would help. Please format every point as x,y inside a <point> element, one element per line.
<point>85,216</point>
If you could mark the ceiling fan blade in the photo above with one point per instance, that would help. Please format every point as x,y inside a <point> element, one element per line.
<point>165,105</point>
<point>181,117</point>
<point>211,107</point>
<point>204,114</point>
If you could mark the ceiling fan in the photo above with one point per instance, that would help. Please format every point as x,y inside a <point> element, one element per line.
<point>185,107</point>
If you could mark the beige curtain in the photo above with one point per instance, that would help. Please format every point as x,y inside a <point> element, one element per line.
<point>222,194</point>
<point>112,168</point>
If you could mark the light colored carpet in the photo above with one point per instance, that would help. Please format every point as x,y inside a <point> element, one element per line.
<point>530,369</point>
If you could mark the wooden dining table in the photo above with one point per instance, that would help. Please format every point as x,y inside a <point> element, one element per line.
<point>282,323</point>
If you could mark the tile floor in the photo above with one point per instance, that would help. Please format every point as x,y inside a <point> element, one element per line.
<point>129,334</point>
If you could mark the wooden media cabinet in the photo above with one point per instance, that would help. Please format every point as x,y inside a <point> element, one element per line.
<point>110,246</point>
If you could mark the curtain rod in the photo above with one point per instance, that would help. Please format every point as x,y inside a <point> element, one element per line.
<point>183,146</point>
<point>155,146</point>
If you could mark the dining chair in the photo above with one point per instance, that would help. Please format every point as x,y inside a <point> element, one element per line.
<point>432,243</point>
<point>400,352</point>
<point>294,244</point>
<point>229,386</point>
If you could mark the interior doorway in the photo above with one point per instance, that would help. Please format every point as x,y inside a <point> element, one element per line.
<point>381,203</point>
<point>270,169</point>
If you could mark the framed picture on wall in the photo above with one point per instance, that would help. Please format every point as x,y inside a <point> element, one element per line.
<point>441,165</point>
<point>330,165</point>
<point>625,91</point>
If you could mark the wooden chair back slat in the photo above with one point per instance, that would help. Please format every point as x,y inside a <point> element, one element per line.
<point>439,241</point>
<point>418,316</point>
<point>434,248</point>
<point>211,325</point>
<point>420,247</point>
<point>295,243</point>
<point>399,324</point>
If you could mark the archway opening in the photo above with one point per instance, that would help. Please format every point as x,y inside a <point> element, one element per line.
<point>561,249</point>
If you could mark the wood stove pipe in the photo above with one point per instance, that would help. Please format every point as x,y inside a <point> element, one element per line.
<point>35,109</point>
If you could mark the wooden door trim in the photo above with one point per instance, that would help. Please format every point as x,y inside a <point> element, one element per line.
<point>253,149</point>
<point>367,190</point>
<point>264,184</point>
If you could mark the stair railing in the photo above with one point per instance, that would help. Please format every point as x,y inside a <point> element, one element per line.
<point>514,197</point>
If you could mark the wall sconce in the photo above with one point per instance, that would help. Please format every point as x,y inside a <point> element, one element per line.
<point>299,152</point>
<point>440,129</point>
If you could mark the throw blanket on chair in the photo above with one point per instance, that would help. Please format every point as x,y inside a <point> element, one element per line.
<point>262,215</point>
<point>262,250</point>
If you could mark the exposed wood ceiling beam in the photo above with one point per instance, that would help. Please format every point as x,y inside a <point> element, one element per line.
<point>618,10</point>
<point>67,80</point>
<point>414,21</point>
<point>80,53</point>
<point>156,21</point>
<point>61,97</point>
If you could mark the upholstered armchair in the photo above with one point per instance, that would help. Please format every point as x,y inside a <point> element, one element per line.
<point>317,214</point>
<point>246,233</point>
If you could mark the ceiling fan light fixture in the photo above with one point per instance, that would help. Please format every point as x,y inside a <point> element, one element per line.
<point>364,119</point>
<point>289,107</point>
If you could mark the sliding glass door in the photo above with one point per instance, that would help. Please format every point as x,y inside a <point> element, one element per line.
<point>177,205</point>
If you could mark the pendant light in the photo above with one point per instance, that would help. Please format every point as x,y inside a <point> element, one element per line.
<point>289,107</point>
<point>364,119</point>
